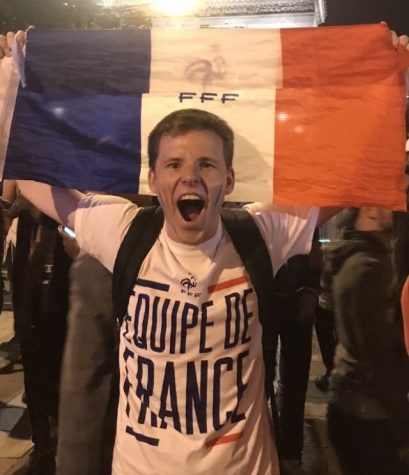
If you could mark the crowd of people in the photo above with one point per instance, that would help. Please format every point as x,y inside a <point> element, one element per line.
<point>172,378</point>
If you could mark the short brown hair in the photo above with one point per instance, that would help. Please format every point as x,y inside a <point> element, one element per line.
<point>184,120</point>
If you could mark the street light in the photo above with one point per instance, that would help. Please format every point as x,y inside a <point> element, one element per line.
<point>175,7</point>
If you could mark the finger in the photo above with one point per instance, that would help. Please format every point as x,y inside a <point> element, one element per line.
<point>10,38</point>
<point>395,38</point>
<point>3,46</point>
<point>404,40</point>
<point>20,38</point>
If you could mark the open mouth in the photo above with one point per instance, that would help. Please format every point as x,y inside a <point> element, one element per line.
<point>190,207</point>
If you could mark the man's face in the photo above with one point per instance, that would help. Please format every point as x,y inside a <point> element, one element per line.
<point>191,180</point>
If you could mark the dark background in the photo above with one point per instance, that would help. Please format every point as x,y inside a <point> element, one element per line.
<point>394,12</point>
<point>19,14</point>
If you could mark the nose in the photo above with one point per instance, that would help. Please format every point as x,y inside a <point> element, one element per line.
<point>190,174</point>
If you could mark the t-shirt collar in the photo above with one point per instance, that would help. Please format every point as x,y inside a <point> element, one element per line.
<point>205,247</point>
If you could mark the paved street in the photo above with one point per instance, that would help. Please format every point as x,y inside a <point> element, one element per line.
<point>15,443</point>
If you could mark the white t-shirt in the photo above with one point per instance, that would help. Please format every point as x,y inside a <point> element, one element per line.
<point>191,367</point>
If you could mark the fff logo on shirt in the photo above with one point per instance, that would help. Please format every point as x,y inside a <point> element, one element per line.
<point>208,96</point>
<point>189,283</point>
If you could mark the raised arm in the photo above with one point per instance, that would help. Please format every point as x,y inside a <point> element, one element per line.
<point>326,214</point>
<point>58,203</point>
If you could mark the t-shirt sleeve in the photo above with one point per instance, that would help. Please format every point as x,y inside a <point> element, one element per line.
<point>101,222</point>
<point>287,230</point>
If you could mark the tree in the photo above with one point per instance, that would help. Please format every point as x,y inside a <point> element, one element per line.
<point>19,14</point>
<point>134,18</point>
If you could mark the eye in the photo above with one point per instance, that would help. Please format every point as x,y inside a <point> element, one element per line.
<point>207,164</point>
<point>173,165</point>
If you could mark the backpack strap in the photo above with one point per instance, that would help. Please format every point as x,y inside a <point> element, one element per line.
<point>252,249</point>
<point>141,235</point>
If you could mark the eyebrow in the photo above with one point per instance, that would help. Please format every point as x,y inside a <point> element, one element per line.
<point>204,157</point>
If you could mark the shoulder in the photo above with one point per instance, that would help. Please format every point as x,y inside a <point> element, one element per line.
<point>101,222</point>
<point>103,209</point>
<point>94,200</point>
<point>362,267</point>
<point>285,223</point>
<point>276,211</point>
<point>286,230</point>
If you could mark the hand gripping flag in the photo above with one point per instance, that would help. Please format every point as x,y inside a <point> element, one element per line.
<point>318,113</point>
<point>8,91</point>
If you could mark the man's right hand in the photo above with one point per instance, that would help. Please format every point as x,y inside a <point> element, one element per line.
<point>6,42</point>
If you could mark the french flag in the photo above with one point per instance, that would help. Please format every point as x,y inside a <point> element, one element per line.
<point>318,113</point>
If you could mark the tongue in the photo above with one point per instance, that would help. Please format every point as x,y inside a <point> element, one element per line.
<point>190,209</point>
<point>190,212</point>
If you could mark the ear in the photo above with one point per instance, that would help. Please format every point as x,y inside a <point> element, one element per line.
<point>152,180</point>
<point>230,181</point>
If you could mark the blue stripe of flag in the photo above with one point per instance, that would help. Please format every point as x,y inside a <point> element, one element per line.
<point>78,121</point>
<point>88,61</point>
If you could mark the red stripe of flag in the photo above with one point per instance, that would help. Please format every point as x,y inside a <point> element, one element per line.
<point>334,124</point>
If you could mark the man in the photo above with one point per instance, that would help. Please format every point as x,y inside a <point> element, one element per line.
<point>192,377</point>
<point>192,396</point>
<point>368,415</point>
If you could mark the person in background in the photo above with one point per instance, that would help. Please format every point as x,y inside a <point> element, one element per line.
<point>368,411</point>
<point>324,317</point>
<point>325,325</point>
<point>296,285</point>
<point>89,371</point>
<point>40,304</point>
<point>401,247</point>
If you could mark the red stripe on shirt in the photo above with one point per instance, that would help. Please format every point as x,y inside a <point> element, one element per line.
<point>228,283</point>
<point>226,439</point>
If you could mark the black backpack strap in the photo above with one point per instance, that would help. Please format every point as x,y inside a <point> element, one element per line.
<point>250,245</point>
<point>139,239</point>
<point>252,249</point>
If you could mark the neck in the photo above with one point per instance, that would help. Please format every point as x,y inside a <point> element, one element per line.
<point>190,237</point>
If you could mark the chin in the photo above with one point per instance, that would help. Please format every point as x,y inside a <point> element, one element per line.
<point>193,232</point>
<point>191,236</point>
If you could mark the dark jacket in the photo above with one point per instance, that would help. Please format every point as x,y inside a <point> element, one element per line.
<point>325,299</point>
<point>86,429</point>
<point>371,375</point>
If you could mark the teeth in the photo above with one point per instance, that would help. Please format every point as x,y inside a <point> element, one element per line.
<point>191,197</point>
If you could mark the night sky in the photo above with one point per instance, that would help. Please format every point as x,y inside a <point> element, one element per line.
<point>394,12</point>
